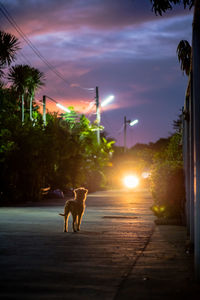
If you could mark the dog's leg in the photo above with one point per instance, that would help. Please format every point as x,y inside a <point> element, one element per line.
<point>66,217</point>
<point>74,222</point>
<point>79,221</point>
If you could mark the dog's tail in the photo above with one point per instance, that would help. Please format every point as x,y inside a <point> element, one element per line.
<point>62,215</point>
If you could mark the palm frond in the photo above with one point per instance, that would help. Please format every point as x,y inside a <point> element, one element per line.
<point>184,55</point>
<point>161,6</point>
<point>9,45</point>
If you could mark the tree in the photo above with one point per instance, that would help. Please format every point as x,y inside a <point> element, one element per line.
<point>25,81</point>
<point>19,76</point>
<point>184,51</point>
<point>8,46</point>
<point>161,6</point>
<point>35,80</point>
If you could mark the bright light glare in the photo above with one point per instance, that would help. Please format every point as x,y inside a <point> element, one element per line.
<point>63,107</point>
<point>131,181</point>
<point>108,100</point>
<point>134,122</point>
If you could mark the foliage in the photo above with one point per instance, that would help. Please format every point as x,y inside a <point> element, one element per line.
<point>167,181</point>
<point>137,159</point>
<point>163,159</point>
<point>161,6</point>
<point>184,51</point>
<point>167,174</point>
<point>9,45</point>
<point>63,154</point>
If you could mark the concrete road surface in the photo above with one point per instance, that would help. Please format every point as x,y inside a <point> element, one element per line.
<point>39,261</point>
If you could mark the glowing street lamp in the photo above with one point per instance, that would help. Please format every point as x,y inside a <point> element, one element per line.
<point>63,107</point>
<point>57,104</point>
<point>107,100</point>
<point>131,123</point>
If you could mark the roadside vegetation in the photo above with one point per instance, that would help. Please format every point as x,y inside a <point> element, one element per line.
<point>63,154</point>
<point>163,162</point>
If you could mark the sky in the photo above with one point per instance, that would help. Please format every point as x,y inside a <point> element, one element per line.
<point>121,46</point>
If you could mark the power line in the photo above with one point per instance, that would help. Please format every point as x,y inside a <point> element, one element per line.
<point>10,19</point>
<point>26,39</point>
<point>24,57</point>
<point>105,120</point>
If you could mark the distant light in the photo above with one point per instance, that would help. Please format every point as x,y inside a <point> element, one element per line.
<point>145,175</point>
<point>134,122</point>
<point>131,181</point>
<point>63,107</point>
<point>108,100</point>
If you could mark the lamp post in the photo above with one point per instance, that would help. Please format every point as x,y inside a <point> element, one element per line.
<point>98,113</point>
<point>57,104</point>
<point>131,123</point>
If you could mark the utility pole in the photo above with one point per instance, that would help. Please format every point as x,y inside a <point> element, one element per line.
<point>125,122</point>
<point>131,123</point>
<point>98,115</point>
<point>31,107</point>
<point>44,109</point>
<point>22,97</point>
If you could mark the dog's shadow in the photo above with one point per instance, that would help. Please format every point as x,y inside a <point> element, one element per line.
<point>89,233</point>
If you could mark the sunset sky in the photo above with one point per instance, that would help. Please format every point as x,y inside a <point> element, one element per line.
<point>119,46</point>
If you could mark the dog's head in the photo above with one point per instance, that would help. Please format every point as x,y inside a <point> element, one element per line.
<point>81,193</point>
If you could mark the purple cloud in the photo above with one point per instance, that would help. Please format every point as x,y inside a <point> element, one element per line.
<point>120,46</point>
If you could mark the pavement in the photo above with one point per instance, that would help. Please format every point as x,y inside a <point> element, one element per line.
<point>119,253</point>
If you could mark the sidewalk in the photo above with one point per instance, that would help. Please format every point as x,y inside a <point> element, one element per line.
<point>164,270</point>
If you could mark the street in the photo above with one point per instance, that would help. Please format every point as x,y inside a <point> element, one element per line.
<point>40,261</point>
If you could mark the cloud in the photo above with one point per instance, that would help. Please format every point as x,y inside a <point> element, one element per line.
<point>39,16</point>
<point>120,46</point>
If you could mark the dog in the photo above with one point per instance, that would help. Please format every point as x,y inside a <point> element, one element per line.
<point>76,207</point>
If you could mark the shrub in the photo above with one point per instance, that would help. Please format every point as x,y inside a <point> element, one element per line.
<point>167,181</point>
<point>168,191</point>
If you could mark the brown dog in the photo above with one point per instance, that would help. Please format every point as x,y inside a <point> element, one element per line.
<point>76,207</point>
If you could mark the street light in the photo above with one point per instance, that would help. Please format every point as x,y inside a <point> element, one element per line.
<point>63,107</point>
<point>131,123</point>
<point>107,100</point>
<point>98,113</point>
<point>57,104</point>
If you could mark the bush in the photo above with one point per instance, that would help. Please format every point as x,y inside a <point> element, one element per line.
<point>168,191</point>
<point>167,181</point>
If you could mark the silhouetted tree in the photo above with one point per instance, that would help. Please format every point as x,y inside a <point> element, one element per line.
<point>184,52</point>
<point>161,6</point>
<point>8,46</point>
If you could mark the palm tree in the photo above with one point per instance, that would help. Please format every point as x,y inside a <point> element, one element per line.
<point>19,76</point>
<point>8,46</point>
<point>36,80</point>
<point>184,51</point>
<point>25,81</point>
